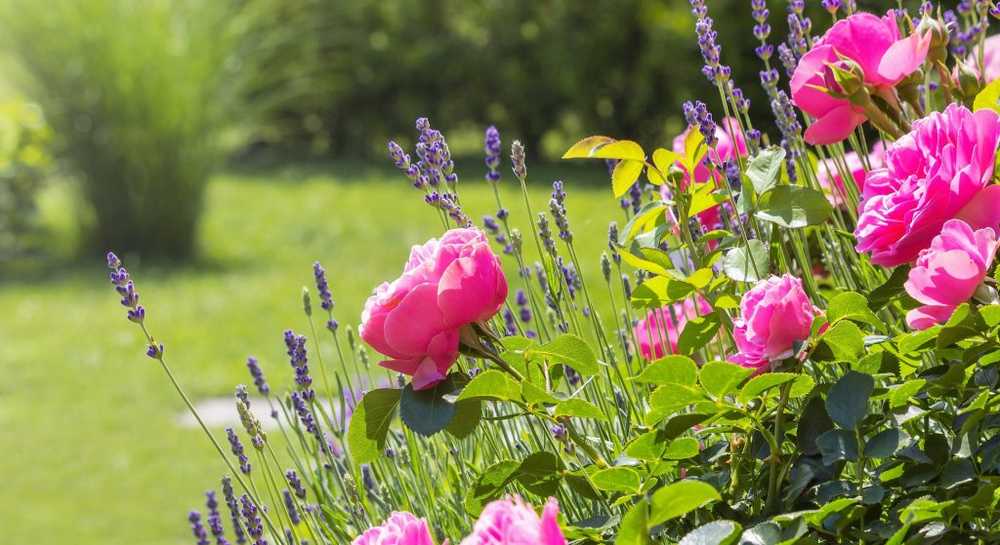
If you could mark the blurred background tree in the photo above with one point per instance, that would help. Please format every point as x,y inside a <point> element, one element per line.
<point>146,97</point>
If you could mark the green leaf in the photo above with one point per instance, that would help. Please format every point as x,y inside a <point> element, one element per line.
<point>845,340</point>
<point>370,424</point>
<point>720,378</point>
<point>579,408</point>
<point>625,174</point>
<point>603,147</point>
<point>491,384</point>
<point>988,98</point>
<point>900,395</point>
<point>678,499</point>
<point>490,484</point>
<point>837,445</point>
<point>762,383</point>
<point>748,263</point>
<point>648,446</point>
<point>719,532</point>
<point>764,168</point>
<point>700,278</point>
<point>847,402</point>
<point>468,413</point>
<point>697,333</point>
<point>427,411</point>
<point>585,148</point>
<point>540,473</point>
<point>669,370</point>
<point>884,443</point>
<point>703,197</point>
<point>660,290</point>
<point>617,479</point>
<point>912,342</point>
<point>634,529</point>
<point>794,207</point>
<point>682,448</point>
<point>813,423</point>
<point>852,306</point>
<point>669,399</point>
<point>568,350</point>
<point>890,289</point>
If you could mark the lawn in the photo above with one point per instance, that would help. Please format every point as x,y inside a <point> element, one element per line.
<point>91,449</point>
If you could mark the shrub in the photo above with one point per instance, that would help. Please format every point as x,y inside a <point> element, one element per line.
<point>24,161</point>
<point>781,347</point>
<point>137,94</point>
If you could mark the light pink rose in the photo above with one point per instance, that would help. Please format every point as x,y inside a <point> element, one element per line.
<point>415,320</point>
<point>401,528</point>
<point>832,182</point>
<point>940,170</point>
<point>513,522</point>
<point>991,59</point>
<point>871,42</point>
<point>948,273</point>
<point>664,325</point>
<point>774,315</point>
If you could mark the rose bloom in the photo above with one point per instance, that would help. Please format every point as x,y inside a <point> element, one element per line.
<point>774,315</point>
<point>832,182</point>
<point>664,325</point>
<point>941,170</point>
<point>991,59</point>
<point>401,528</point>
<point>730,145</point>
<point>415,319</point>
<point>948,273</point>
<point>874,45</point>
<point>513,522</point>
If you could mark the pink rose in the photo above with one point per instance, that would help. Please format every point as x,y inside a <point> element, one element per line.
<point>874,45</point>
<point>401,528</point>
<point>415,320</point>
<point>664,325</point>
<point>948,273</point>
<point>941,170</point>
<point>991,59</point>
<point>730,145</point>
<point>513,522</point>
<point>833,183</point>
<point>774,315</point>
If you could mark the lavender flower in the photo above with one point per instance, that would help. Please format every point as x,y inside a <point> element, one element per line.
<point>517,162</point>
<point>492,147</point>
<point>241,394</point>
<point>227,493</point>
<point>832,6</point>
<point>214,519</point>
<point>557,206</point>
<point>305,415</point>
<point>293,512</point>
<point>711,52</point>
<point>237,447</point>
<point>402,161</point>
<point>250,515</point>
<point>293,481</point>
<point>258,376</point>
<point>130,299</point>
<point>510,324</point>
<point>545,234</point>
<point>322,287</point>
<point>697,115</point>
<point>296,345</point>
<point>197,529</point>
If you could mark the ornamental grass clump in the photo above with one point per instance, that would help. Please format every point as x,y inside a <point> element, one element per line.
<point>793,336</point>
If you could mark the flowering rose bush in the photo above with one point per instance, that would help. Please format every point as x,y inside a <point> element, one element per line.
<point>757,360</point>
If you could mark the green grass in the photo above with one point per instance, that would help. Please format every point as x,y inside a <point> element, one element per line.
<point>91,451</point>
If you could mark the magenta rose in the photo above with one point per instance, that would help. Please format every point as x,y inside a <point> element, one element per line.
<point>871,43</point>
<point>658,332</point>
<point>774,315</point>
<point>415,320</point>
<point>942,169</point>
<point>401,528</point>
<point>513,522</point>
<point>948,273</point>
<point>832,182</point>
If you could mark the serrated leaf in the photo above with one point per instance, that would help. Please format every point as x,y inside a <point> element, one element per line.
<point>625,174</point>
<point>678,499</point>
<point>852,306</point>
<point>720,378</point>
<point>697,333</point>
<point>762,383</point>
<point>764,168</point>
<point>748,263</point>
<point>634,529</point>
<point>568,350</point>
<point>719,532</point>
<point>847,401</point>
<point>491,384</point>
<point>682,448</point>
<point>370,424</point>
<point>900,395</point>
<point>794,207</point>
<point>579,408</point>
<point>669,399</point>
<point>988,98</point>
<point>468,413</point>
<point>669,370</point>
<point>617,479</point>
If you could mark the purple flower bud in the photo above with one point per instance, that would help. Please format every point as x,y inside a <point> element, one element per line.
<point>293,481</point>
<point>197,529</point>
<point>258,376</point>
<point>113,261</point>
